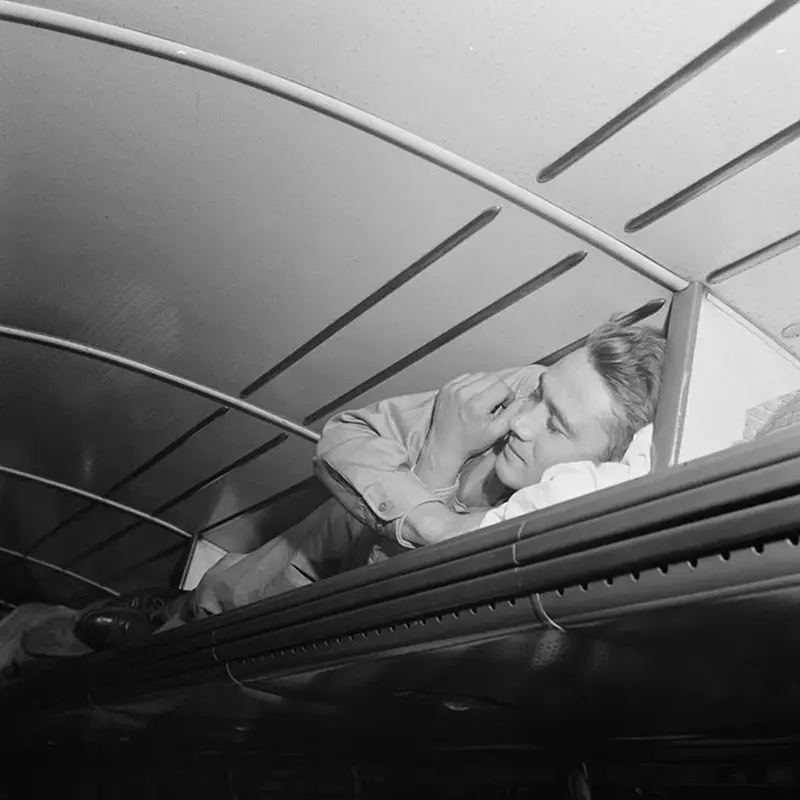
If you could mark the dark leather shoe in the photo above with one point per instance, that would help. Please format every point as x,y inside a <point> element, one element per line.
<point>127,620</point>
<point>110,628</point>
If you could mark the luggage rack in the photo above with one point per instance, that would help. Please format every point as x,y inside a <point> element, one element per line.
<point>717,532</point>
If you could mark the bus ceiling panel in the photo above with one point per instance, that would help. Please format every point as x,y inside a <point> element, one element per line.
<point>34,583</point>
<point>29,511</point>
<point>190,218</point>
<point>497,262</point>
<point>78,546</point>
<point>203,503</point>
<point>734,110</point>
<point>742,215</point>
<point>69,418</point>
<point>462,89</point>
<point>253,482</point>
<point>768,294</point>
<point>202,465</point>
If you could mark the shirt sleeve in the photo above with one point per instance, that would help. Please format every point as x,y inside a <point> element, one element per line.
<point>367,457</point>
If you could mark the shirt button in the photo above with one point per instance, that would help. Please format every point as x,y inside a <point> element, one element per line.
<point>384,506</point>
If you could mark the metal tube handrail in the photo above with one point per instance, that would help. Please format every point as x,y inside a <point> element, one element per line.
<point>48,565</point>
<point>70,346</point>
<point>95,498</point>
<point>158,47</point>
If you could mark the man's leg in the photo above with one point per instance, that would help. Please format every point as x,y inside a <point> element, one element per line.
<point>326,542</point>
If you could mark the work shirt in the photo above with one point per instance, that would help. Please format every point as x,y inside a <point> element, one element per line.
<point>367,458</point>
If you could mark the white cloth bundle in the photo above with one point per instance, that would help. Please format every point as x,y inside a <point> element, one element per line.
<point>567,481</point>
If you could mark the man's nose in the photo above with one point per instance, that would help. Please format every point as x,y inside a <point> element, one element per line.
<point>527,422</point>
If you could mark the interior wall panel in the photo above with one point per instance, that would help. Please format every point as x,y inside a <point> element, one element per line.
<point>735,368</point>
<point>769,294</point>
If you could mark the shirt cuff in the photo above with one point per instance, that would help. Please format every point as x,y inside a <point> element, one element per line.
<point>396,494</point>
<point>398,525</point>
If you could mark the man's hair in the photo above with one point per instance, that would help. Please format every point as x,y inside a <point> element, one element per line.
<point>630,361</point>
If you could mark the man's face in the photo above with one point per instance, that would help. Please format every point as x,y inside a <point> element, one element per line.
<point>563,420</point>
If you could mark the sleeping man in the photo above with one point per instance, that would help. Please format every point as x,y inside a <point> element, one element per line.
<point>423,468</point>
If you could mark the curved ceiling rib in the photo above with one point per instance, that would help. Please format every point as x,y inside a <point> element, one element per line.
<point>663,90</point>
<point>47,565</point>
<point>94,500</point>
<point>69,346</point>
<point>184,495</point>
<point>229,69</point>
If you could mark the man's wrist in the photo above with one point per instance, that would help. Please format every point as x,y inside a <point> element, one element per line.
<point>433,522</point>
<point>437,467</point>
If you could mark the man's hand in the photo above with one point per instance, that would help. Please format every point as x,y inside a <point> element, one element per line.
<point>471,413</point>
<point>432,523</point>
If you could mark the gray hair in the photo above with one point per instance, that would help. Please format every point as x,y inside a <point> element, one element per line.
<point>630,361</point>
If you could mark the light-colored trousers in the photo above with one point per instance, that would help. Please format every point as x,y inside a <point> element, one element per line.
<point>327,542</point>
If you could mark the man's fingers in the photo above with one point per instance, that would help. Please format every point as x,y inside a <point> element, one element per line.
<point>463,380</point>
<point>502,422</point>
<point>493,393</point>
